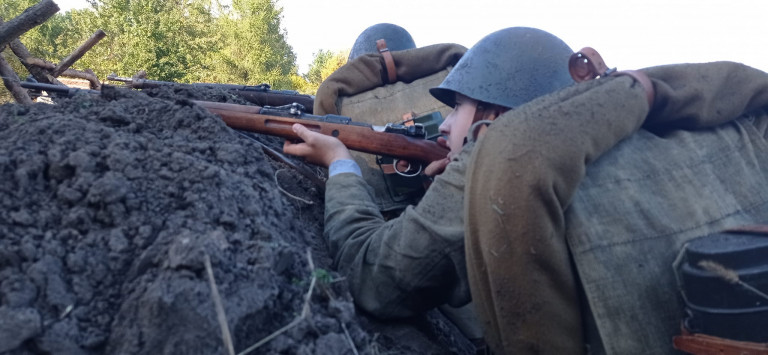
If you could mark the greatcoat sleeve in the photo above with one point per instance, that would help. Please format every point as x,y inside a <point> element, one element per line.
<point>406,265</point>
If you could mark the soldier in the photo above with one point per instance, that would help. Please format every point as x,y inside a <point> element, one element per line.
<point>553,270</point>
<point>397,38</point>
<point>416,261</point>
<point>574,214</point>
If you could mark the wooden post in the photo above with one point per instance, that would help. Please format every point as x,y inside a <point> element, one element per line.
<point>29,19</point>
<point>78,53</point>
<point>11,82</point>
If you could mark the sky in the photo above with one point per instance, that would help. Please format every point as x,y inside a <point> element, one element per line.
<point>629,34</point>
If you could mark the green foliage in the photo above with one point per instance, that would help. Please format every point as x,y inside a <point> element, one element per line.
<point>322,276</point>
<point>168,39</point>
<point>253,47</point>
<point>323,65</point>
<point>241,42</point>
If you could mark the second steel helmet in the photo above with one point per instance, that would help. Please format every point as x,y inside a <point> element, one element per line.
<point>397,38</point>
<point>509,67</point>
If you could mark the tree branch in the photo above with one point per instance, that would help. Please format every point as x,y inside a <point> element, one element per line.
<point>9,75</point>
<point>78,53</point>
<point>29,19</point>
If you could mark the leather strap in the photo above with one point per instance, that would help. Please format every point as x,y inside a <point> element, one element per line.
<point>587,64</point>
<point>381,45</point>
<point>700,344</point>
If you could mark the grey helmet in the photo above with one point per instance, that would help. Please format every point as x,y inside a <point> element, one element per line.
<point>397,38</point>
<point>509,67</point>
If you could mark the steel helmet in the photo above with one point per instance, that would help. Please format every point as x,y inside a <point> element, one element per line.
<point>509,68</point>
<point>397,38</point>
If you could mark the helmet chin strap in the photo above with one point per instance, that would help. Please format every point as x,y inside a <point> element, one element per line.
<point>479,113</point>
<point>482,117</point>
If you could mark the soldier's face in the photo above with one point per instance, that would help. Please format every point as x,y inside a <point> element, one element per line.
<point>456,126</point>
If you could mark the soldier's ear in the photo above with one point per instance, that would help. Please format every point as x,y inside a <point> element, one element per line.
<point>494,111</point>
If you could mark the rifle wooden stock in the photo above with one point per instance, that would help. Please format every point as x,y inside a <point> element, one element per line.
<point>356,136</point>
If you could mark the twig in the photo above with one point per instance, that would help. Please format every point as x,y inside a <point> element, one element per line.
<point>70,73</point>
<point>225,335</point>
<point>86,74</point>
<point>729,276</point>
<point>288,193</point>
<point>303,170</point>
<point>304,310</point>
<point>349,339</point>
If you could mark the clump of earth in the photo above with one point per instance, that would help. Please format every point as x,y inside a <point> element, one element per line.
<point>110,208</point>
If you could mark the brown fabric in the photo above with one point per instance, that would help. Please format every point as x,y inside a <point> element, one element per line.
<point>642,79</point>
<point>525,170</point>
<point>369,71</point>
<point>699,95</point>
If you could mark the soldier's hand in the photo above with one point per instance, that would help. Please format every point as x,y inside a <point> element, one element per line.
<point>438,166</point>
<point>316,148</point>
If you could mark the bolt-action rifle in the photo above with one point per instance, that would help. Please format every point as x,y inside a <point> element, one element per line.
<point>395,140</point>
<point>262,94</point>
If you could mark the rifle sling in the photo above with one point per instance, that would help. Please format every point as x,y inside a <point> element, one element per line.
<point>381,45</point>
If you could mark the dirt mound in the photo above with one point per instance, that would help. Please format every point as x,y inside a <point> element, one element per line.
<point>111,205</point>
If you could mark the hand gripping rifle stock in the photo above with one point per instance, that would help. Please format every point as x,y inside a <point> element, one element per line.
<point>357,136</point>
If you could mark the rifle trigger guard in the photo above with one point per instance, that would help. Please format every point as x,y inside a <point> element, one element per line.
<point>394,166</point>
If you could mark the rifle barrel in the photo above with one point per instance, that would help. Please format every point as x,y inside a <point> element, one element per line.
<point>359,137</point>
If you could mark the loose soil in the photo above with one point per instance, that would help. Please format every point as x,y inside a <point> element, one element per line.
<point>109,206</point>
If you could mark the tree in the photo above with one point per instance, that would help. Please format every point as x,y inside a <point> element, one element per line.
<point>49,40</point>
<point>254,49</point>
<point>324,63</point>
<point>176,40</point>
<point>168,39</point>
